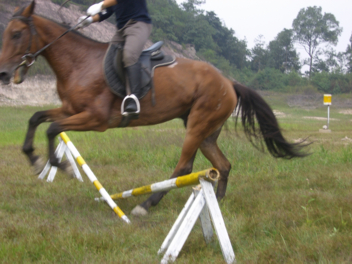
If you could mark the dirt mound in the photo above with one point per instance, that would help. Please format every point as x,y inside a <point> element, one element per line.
<point>38,90</point>
<point>346,111</point>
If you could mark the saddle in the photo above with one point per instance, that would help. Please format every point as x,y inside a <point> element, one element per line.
<point>150,59</point>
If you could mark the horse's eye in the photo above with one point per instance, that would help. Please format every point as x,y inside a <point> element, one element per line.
<point>16,35</point>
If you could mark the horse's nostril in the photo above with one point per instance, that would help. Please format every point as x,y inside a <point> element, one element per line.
<point>2,74</point>
<point>5,77</point>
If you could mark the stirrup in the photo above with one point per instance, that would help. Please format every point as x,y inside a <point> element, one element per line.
<point>133,97</point>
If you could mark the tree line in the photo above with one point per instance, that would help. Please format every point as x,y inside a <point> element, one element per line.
<point>272,66</point>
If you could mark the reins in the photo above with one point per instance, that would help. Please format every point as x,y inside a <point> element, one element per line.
<point>29,22</point>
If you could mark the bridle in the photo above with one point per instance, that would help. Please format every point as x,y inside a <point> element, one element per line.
<point>25,58</point>
<point>28,59</point>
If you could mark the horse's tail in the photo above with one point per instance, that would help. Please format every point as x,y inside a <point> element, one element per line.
<point>250,105</point>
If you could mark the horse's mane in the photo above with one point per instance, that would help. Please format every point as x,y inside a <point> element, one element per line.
<point>69,27</point>
<point>20,11</point>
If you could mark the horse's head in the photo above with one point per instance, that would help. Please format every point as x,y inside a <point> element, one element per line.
<point>18,40</point>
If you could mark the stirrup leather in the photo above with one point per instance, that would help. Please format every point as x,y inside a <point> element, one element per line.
<point>133,97</point>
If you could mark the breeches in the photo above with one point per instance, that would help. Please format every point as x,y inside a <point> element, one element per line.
<point>134,35</point>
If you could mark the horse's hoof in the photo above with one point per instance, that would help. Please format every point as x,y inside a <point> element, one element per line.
<point>139,211</point>
<point>38,166</point>
<point>67,168</point>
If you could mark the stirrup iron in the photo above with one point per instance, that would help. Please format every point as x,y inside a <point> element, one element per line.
<point>133,97</point>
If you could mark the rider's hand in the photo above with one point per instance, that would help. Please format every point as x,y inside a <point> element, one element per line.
<point>85,23</point>
<point>95,9</point>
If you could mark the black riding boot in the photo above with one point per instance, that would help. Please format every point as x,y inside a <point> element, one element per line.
<point>134,77</point>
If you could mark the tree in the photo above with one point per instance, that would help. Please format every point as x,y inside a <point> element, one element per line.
<point>167,22</point>
<point>228,45</point>
<point>282,54</point>
<point>199,33</point>
<point>312,28</point>
<point>329,60</point>
<point>348,54</point>
<point>191,6</point>
<point>259,54</point>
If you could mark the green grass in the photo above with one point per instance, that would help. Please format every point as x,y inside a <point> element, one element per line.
<point>276,211</point>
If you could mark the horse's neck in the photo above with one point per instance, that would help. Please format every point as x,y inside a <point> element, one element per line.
<point>67,53</point>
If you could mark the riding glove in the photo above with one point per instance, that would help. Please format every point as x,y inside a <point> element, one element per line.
<point>95,9</point>
<point>85,23</point>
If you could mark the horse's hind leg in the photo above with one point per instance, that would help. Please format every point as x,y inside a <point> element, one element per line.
<point>185,165</point>
<point>155,198</point>
<point>34,122</point>
<point>212,152</point>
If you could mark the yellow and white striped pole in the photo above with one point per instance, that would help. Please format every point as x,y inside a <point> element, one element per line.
<point>211,175</point>
<point>92,177</point>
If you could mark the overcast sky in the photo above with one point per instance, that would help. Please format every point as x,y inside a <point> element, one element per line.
<point>251,18</point>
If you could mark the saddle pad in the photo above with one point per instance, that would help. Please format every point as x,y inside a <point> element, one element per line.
<point>111,69</point>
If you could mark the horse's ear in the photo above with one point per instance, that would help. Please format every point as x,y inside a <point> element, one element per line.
<point>28,11</point>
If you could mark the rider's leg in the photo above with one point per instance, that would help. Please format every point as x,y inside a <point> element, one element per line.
<point>134,79</point>
<point>136,35</point>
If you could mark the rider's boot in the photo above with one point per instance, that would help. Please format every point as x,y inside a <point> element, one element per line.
<point>134,78</point>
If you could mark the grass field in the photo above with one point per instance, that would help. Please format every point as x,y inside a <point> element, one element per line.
<point>276,211</point>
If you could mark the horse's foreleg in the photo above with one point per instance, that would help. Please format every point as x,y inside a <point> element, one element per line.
<point>84,121</point>
<point>34,122</point>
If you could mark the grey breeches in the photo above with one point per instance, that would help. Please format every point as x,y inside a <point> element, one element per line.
<point>134,34</point>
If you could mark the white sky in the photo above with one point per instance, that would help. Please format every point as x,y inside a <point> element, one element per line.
<point>251,18</point>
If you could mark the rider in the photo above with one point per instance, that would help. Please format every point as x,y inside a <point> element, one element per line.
<point>134,26</point>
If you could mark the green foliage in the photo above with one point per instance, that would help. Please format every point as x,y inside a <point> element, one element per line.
<point>282,54</point>
<point>312,28</point>
<point>293,79</point>
<point>228,46</point>
<point>199,33</point>
<point>259,55</point>
<point>334,82</point>
<point>268,79</point>
<point>243,75</point>
<point>218,61</point>
<point>188,25</point>
<point>166,20</point>
<point>349,55</point>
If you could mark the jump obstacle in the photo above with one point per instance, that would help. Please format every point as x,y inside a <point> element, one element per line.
<point>210,175</point>
<point>201,204</point>
<point>66,147</point>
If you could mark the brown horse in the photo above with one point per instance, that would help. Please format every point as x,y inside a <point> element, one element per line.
<point>192,90</point>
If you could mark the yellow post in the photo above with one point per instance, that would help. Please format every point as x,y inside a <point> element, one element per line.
<point>327,101</point>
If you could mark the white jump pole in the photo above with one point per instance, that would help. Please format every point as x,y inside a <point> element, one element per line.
<point>66,143</point>
<point>211,175</point>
